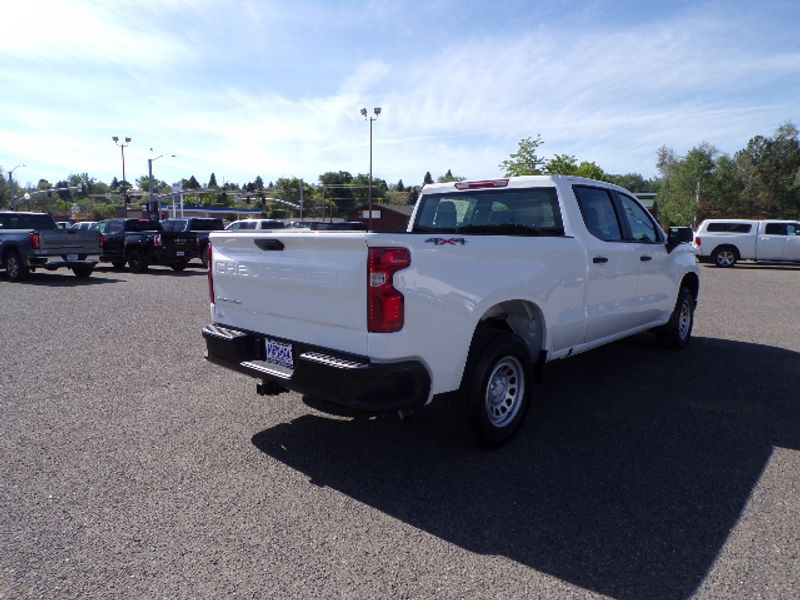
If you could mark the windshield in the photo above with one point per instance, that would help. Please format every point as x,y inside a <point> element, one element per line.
<point>528,211</point>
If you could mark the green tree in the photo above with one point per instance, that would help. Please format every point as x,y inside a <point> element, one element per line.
<point>212,181</point>
<point>337,189</point>
<point>427,180</point>
<point>449,177</point>
<point>190,184</point>
<point>399,187</point>
<point>683,197</point>
<point>770,170</point>
<point>524,161</point>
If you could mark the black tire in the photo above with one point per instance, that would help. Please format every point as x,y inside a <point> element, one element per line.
<point>118,264</point>
<point>677,333</point>
<point>83,271</point>
<point>178,267</point>
<point>14,267</point>
<point>204,257</point>
<point>725,256</point>
<point>136,262</point>
<point>496,391</point>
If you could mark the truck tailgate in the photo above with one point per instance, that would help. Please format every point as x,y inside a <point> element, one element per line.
<point>318,280</point>
<point>69,241</point>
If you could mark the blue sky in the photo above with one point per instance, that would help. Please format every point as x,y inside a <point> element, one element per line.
<point>274,88</point>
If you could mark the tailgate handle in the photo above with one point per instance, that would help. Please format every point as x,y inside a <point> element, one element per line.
<point>270,244</point>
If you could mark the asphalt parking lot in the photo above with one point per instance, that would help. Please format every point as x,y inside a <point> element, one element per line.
<point>132,469</point>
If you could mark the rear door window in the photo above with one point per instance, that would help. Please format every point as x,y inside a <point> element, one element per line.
<point>599,216</point>
<point>776,229</point>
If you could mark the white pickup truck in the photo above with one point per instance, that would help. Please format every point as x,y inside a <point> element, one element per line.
<point>724,242</point>
<point>492,280</point>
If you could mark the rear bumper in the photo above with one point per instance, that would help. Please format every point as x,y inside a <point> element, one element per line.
<point>345,379</point>
<point>52,263</point>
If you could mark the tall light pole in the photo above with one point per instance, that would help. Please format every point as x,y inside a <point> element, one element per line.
<point>11,187</point>
<point>368,117</point>
<point>152,205</point>
<point>122,146</point>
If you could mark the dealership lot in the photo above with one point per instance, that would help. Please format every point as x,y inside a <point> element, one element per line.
<point>132,469</point>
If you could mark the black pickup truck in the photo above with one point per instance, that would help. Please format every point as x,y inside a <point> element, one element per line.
<point>31,240</point>
<point>142,243</point>
<point>202,226</point>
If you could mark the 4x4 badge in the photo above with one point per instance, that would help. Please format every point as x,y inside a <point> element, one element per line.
<point>446,241</point>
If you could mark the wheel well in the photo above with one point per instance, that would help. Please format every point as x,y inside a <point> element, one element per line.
<point>692,282</point>
<point>520,317</point>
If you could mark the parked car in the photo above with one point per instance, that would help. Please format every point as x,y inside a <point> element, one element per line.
<point>84,225</point>
<point>245,224</point>
<point>725,242</point>
<point>63,224</point>
<point>141,243</point>
<point>201,226</point>
<point>31,240</point>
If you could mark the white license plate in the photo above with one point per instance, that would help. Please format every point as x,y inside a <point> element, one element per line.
<point>279,353</point>
<point>72,257</point>
<point>180,253</point>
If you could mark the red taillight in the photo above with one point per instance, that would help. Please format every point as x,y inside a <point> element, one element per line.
<point>697,240</point>
<point>36,240</point>
<point>210,275</point>
<point>157,240</point>
<point>101,240</point>
<point>478,185</point>
<point>385,305</point>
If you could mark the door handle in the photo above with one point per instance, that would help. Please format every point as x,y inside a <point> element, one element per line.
<point>645,258</point>
<point>598,260</point>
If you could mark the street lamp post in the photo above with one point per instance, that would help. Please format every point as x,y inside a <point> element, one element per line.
<point>11,187</point>
<point>152,205</point>
<point>122,146</point>
<point>367,117</point>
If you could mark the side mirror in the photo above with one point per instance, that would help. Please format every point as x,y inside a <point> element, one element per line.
<point>677,236</point>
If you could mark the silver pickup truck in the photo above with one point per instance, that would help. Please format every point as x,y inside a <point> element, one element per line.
<point>30,241</point>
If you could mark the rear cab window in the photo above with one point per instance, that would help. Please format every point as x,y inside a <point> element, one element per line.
<point>515,211</point>
<point>729,227</point>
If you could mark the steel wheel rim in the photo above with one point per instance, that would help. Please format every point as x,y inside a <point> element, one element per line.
<point>685,320</point>
<point>505,389</point>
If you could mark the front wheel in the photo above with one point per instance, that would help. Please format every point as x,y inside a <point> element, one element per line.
<point>675,335</point>
<point>82,271</point>
<point>14,267</point>
<point>496,393</point>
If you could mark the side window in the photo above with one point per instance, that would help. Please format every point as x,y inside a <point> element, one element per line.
<point>598,213</point>
<point>642,227</point>
<point>776,229</point>
<point>234,226</point>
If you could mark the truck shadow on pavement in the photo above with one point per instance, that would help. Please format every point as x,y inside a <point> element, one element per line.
<point>62,280</point>
<point>626,479</point>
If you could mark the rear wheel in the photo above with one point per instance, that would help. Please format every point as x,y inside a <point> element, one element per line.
<point>724,257</point>
<point>496,392</point>
<point>178,266</point>
<point>136,262</point>
<point>13,265</point>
